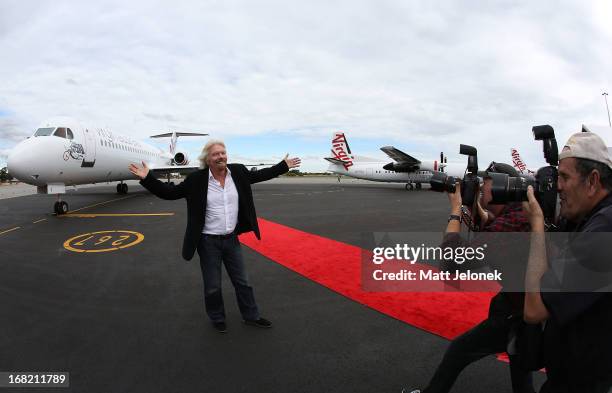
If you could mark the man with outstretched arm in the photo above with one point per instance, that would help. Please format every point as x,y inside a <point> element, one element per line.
<point>219,208</point>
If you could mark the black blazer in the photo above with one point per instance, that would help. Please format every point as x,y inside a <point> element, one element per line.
<point>195,189</point>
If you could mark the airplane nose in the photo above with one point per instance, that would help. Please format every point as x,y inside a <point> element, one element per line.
<point>16,163</point>
<point>21,159</point>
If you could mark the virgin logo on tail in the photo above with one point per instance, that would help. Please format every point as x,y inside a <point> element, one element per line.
<point>341,150</point>
<point>517,161</point>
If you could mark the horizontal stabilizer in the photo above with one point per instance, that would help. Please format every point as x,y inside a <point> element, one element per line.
<point>334,160</point>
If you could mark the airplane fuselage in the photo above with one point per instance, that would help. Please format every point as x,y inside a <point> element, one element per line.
<point>70,154</point>
<point>374,171</point>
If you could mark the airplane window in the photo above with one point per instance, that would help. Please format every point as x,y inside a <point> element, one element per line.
<point>69,134</point>
<point>61,132</point>
<point>44,131</point>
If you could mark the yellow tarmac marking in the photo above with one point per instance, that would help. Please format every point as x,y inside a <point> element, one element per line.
<point>93,215</point>
<point>103,203</point>
<point>36,222</point>
<point>86,242</point>
<point>9,230</point>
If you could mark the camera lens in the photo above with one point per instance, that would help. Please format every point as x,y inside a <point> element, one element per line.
<point>517,189</point>
<point>505,189</point>
<point>441,182</point>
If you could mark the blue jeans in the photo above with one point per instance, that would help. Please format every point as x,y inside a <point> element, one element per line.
<point>213,251</point>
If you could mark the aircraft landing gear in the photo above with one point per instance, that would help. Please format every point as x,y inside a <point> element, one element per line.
<point>419,186</point>
<point>60,207</point>
<point>409,186</point>
<point>122,188</point>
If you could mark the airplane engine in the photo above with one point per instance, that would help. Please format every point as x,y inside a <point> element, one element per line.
<point>392,166</point>
<point>180,158</point>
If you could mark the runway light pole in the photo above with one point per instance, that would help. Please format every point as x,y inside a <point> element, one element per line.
<point>608,109</point>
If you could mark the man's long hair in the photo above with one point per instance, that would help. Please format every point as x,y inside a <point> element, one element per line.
<point>206,150</point>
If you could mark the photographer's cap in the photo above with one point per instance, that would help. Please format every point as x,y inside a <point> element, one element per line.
<point>586,145</point>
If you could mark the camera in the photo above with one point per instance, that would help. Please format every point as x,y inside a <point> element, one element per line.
<point>441,182</point>
<point>507,189</point>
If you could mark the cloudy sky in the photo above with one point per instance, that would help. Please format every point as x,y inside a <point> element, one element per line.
<point>272,77</point>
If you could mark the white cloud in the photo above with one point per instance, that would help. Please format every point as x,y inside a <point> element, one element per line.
<point>426,73</point>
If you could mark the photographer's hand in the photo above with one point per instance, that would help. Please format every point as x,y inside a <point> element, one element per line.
<point>455,199</point>
<point>485,215</point>
<point>534,211</point>
<point>455,202</point>
<point>534,310</point>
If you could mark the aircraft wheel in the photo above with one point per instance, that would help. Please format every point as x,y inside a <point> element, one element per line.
<point>407,186</point>
<point>60,208</point>
<point>122,188</point>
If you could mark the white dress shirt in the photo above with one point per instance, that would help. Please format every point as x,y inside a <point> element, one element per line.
<point>221,214</point>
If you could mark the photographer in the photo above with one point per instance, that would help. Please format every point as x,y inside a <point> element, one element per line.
<point>577,347</point>
<point>491,336</point>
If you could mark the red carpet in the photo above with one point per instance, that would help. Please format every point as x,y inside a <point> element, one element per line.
<point>337,266</point>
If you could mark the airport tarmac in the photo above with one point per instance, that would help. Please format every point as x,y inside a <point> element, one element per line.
<point>129,317</point>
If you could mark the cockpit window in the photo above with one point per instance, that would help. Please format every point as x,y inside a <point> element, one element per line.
<point>69,134</point>
<point>44,131</point>
<point>61,132</point>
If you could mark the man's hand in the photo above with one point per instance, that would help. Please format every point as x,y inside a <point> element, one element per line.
<point>534,211</point>
<point>483,213</point>
<point>455,199</point>
<point>292,162</point>
<point>138,171</point>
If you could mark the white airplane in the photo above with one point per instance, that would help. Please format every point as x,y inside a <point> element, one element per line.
<point>64,153</point>
<point>403,169</point>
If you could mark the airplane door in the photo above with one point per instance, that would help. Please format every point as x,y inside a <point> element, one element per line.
<point>89,159</point>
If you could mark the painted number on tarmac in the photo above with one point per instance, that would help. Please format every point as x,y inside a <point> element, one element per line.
<point>103,241</point>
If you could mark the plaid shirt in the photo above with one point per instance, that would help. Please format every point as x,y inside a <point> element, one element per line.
<point>512,219</point>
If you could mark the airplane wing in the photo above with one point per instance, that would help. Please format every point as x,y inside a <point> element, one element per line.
<point>260,164</point>
<point>182,169</point>
<point>187,169</point>
<point>169,134</point>
<point>399,156</point>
